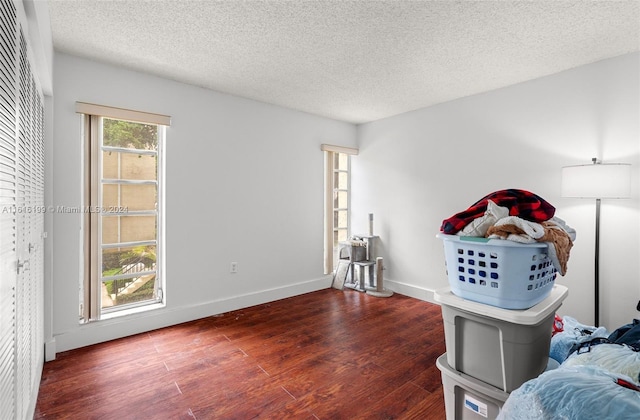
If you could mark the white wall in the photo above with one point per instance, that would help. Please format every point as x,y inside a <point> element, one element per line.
<point>232,164</point>
<point>418,168</point>
<point>244,183</point>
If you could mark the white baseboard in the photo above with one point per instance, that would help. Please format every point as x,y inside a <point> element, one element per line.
<point>50,350</point>
<point>410,290</point>
<point>111,329</point>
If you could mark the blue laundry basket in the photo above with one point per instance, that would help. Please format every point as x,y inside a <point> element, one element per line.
<point>498,272</point>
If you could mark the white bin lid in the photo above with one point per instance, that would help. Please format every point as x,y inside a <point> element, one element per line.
<point>531,316</point>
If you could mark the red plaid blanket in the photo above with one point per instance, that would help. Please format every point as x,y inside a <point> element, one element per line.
<point>521,203</point>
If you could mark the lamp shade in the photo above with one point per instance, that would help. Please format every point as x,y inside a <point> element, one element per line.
<point>612,180</point>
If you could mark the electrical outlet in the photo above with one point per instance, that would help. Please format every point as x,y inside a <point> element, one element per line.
<point>234,267</point>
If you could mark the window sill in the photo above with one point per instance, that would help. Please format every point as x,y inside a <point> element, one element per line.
<point>131,311</point>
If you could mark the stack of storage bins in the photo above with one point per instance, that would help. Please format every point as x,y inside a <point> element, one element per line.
<point>492,350</point>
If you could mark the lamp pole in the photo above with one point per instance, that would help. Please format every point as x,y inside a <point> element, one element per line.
<point>596,277</point>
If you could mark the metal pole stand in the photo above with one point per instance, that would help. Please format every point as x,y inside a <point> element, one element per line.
<point>380,291</point>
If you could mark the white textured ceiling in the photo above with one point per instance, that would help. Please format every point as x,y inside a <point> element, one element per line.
<point>355,61</point>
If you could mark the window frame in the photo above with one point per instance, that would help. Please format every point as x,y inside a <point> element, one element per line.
<point>92,279</point>
<point>331,189</point>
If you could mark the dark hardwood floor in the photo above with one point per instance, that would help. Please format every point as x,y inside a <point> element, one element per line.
<point>324,355</point>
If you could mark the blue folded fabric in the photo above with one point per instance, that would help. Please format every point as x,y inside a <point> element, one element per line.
<point>573,392</point>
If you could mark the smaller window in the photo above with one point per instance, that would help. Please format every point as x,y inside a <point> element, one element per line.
<point>337,201</point>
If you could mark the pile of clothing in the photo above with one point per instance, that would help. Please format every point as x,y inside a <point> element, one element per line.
<point>515,215</point>
<point>583,344</point>
<point>598,376</point>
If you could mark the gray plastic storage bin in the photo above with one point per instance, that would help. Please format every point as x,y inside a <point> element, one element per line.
<point>466,398</point>
<point>501,347</point>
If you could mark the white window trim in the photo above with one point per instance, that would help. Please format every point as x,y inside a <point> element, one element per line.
<point>338,149</point>
<point>122,114</point>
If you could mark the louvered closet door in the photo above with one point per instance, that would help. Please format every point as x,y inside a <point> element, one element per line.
<point>23,289</point>
<point>8,161</point>
<point>21,220</point>
<point>29,223</point>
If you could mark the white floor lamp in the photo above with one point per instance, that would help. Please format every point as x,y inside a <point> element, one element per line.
<point>598,180</point>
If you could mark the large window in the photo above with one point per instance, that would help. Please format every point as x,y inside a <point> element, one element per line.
<point>123,216</point>
<point>337,200</point>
